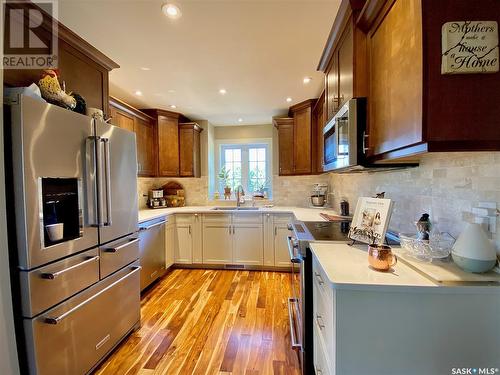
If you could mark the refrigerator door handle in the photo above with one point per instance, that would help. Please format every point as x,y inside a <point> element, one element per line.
<point>92,191</point>
<point>107,175</point>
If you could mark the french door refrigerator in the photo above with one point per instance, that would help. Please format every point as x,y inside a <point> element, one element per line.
<point>73,229</point>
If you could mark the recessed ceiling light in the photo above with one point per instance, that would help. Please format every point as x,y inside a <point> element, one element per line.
<point>138,93</point>
<point>171,10</point>
<point>307,80</point>
<point>240,120</point>
<point>288,99</point>
<point>171,91</point>
<point>222,91</point>
<point>145,68</point>
<point>173,106</point>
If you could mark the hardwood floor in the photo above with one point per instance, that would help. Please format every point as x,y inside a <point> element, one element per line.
<point>211,322</point>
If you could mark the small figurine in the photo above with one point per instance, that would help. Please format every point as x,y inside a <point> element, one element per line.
<point>423,228</point>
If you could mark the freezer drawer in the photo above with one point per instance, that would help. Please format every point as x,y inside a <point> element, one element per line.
<point>75,335</point>
<point>118,254</point>
<point>152,250</point>
<point>49,285</point>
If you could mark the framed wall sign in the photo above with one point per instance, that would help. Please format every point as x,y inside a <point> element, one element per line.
<point>469,47</point>
<point>370,220</point>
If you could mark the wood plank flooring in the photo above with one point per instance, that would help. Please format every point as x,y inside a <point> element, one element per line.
<point>211,322</point>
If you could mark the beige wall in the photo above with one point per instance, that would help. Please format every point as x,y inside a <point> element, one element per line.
<point>243,131</point>
<point>446,185</point>
<point>8,352</point>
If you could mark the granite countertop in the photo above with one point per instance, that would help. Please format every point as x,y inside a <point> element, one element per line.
<point>300,213</point>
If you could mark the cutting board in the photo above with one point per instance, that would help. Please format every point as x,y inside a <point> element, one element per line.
<point>447,272</point>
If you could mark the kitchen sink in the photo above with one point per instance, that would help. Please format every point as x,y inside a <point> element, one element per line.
<point>236,208</point>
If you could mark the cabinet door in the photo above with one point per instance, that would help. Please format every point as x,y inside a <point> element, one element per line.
<point>248,244</point>
<point>170,239</point>
<point>168,146</point>
<point>186,152</point>
<point>268,240</point>
<point>318,141</point>
<point>146,155</point>
<point>346,66</point>
<point>217,243</point>
<point>122,119</point>
<point>281,254</point>
<point>332,87</point>
<point>395,109</point>
<point>285,139</point>
<point>184,249</point>
<point>302,141</point>
<point>197,239</point>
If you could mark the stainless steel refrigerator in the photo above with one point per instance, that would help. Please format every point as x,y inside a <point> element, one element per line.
<point>75,235</point>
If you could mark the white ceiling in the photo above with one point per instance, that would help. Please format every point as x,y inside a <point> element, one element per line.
<point>258,50</point>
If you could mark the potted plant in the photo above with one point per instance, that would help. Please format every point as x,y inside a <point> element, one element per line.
<point>224,178</point>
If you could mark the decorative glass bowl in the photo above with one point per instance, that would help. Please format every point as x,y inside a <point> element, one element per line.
<point>438,246</point>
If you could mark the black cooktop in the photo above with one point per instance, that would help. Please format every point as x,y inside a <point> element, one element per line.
<point>328,230</point>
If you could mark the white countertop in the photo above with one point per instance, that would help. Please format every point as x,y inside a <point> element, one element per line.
<point>300,213</point>
<point>347,268</point>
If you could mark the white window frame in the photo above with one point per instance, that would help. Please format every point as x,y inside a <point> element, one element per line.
<point>245,145</point>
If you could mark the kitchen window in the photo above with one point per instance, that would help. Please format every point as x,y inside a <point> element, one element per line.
<point>248,165</point>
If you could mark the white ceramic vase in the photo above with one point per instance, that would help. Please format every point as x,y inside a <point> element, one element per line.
<point>473,251</point>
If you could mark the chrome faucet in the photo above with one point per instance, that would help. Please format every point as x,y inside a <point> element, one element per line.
<point>239,192</point>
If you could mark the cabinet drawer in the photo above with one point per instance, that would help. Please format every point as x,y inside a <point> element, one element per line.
<point>118,254</point>
<point>49,285</point>
<point>75,335</point>
<point>247,218</point>
<point>282,218</point>
<point>323,309</point>
<point>322,362</point>
<point>217,218</point>
<point>184,218</point>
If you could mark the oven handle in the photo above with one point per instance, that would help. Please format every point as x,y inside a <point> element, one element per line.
<point>293,337</point>
<point>293,258</point>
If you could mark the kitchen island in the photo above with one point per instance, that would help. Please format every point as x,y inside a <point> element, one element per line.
<point>398,322</point>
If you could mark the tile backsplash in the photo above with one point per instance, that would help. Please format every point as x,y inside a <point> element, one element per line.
<point>196,189</point>
<point>295,190</point>
<point>446,185</point>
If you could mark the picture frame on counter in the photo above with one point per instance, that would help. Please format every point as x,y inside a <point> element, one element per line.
<point>370,221</point>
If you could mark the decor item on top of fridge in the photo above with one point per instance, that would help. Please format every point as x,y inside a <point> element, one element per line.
<point>473,251</point>
<point>370,220</point>
<point>174,194</point>
<point>52,92</point>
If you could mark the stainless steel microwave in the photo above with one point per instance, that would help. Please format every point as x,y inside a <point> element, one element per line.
<point>344,138</point>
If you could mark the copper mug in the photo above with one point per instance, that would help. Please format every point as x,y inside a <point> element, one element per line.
<point>381,257</point>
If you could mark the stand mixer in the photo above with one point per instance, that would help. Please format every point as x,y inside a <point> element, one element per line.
<point>319,196</point>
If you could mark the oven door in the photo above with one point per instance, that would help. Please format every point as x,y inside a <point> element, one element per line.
<point>295,305</point>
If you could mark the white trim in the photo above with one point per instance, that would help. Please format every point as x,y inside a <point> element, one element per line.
<point>246,141</point>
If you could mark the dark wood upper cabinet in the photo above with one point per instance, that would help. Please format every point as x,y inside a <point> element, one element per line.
<point>318,126</point>
<point>189,149</point>
<point>81,66</point>
<point>296,140</point>
<point>285,145</point>
<point>344,59</point>
<point>302,137</point>
<point>168,141</point>
<point>413,108</point>
<point>144,127</point>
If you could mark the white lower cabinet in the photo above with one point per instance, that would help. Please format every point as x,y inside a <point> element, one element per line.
<point>248,244</point>
<point>170,239</point>
<point>281,254</point>
<point>244,238</point>
<point>217,243</point>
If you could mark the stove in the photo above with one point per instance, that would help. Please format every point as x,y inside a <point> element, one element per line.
<point>301,302</point>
